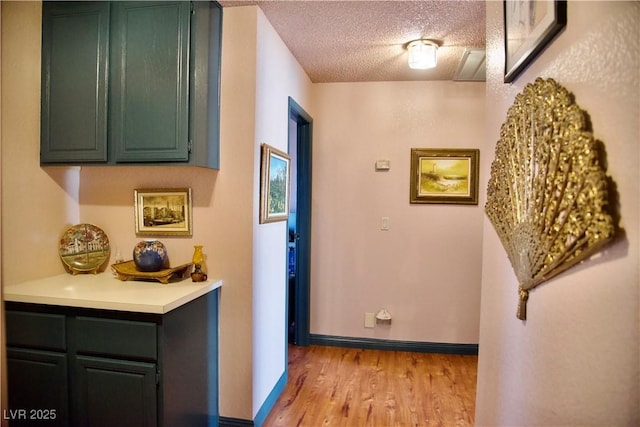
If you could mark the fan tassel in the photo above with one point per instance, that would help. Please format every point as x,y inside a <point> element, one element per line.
<point>522,304</point>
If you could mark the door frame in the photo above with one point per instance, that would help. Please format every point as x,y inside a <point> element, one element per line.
<point>304,125</point>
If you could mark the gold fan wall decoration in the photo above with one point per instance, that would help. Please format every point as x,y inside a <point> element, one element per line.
<point>547,195</point>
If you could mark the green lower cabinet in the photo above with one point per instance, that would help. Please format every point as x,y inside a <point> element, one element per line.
<point>115,393</point>
<point>77,367</point>
<point>39,390</point>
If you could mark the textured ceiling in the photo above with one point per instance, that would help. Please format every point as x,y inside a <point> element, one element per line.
<point>358,40</point>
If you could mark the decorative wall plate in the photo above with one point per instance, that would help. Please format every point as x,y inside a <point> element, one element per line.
<point>547,195</point>
<point>84,248</point>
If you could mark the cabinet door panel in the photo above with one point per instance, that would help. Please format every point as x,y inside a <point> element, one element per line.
<point>36,330</point>
<point>37,385</point>
<point>116,338</point>
<point>150,81</point>
<point>205,56</point>
<point>74,82</point>
<point>115,392</point>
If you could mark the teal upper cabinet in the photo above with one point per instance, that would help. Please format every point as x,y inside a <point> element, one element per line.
<point>75,46</point>
<point>149,81</point>
<point>157,100</point>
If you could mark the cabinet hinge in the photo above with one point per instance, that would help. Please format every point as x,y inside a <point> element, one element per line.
<point>157,377</point>
<point>190,145</point>
<point>192,8</point>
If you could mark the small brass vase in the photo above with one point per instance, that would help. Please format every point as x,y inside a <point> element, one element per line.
<point>198,259</point>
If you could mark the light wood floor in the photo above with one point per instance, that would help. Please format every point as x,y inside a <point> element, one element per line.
<point>335,386</point>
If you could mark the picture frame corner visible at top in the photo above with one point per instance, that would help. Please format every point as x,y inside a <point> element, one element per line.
<point>535,42</point>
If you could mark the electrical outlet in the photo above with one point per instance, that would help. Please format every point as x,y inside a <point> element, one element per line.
<point>369,320</point>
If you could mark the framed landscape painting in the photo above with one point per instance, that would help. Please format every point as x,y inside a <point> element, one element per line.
<point>274,185</point>
<point>440,175</point>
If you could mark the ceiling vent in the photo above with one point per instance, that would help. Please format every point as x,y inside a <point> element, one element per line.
<point>472,67</point>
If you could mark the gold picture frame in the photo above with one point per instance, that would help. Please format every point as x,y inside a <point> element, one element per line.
<point>444,176</point>
<point>274,185</point>
<point>163,212</point>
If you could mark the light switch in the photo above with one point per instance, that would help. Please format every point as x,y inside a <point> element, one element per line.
<point>383,165</point>
<point>384,223</point>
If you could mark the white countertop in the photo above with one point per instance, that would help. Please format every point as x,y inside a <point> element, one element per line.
<point>104,291</point>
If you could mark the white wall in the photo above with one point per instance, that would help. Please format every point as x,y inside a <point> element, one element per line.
<point>38,204</point>
<point>223,203</point>
<point>36,209</point>
<point>258,75</point>
<point>28,228</point>
<point>576,359</point>
<point>426,269</point>
<point>278,76</point>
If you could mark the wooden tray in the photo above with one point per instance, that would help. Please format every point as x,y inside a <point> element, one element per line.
<point>127,270</point>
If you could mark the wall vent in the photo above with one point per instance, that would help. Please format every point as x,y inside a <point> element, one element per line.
<point>472,66</point>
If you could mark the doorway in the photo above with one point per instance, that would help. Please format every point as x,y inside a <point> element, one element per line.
<point>299,225</point>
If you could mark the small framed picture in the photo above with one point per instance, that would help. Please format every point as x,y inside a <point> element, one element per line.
<point>440,175</point>
<point>274,185</point>
<point>163,212</point>
<point>529,26</point>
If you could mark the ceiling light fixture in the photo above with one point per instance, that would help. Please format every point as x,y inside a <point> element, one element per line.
<point>423,54</point>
